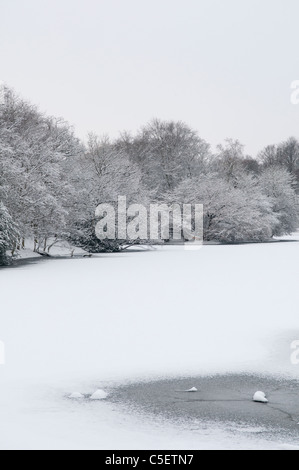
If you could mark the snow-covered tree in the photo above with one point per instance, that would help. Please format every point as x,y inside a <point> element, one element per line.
<point>229,161</point>
<point>167,152</point>
<point>284,155</point>
<point>288,155</point>
<point>8,234</point>
<point>106,173</point>
<point>112,172</point>
<point>269,156</point>
<point>232,213</point>
<point>279,187</point>
<point>33,183</point>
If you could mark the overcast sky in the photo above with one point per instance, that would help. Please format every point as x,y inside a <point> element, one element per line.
<point>223,66</point>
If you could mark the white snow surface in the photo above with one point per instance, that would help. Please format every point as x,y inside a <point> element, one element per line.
<point>85,324</point>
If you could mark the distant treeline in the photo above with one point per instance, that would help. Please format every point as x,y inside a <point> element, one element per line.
<point>51,182</point>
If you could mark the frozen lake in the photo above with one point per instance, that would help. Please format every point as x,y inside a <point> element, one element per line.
<point>83,324</point>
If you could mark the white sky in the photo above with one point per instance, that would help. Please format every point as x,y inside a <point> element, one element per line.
<point>223,66</point>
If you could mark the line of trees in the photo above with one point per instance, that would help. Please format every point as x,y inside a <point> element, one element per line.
<point>51,182</point>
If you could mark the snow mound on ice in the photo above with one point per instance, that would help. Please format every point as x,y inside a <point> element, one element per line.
<point>99,395</point>
<point>260,397</point>
<point>192,390</point>
<point>76,396</point>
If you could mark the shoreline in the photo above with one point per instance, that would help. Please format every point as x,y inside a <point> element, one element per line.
<point>18,262</point>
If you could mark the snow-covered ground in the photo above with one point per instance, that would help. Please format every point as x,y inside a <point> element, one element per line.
<point>83,324</point>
